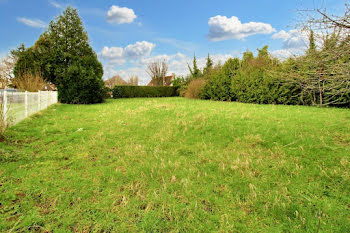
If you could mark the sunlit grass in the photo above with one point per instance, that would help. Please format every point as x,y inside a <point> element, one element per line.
<point>173,164</point>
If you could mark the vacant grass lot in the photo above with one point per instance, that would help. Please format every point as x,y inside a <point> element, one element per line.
<point>172,164</point>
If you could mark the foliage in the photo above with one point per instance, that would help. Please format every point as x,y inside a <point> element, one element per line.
<point>218,86</point>
<point>208,67</point>
<point>80,85</point>
<point>143,91</point>
<point>64,57</point>
<point>181,83</point>
<point>195,71</point>
<point>194,88</point>
<point>136,165</point>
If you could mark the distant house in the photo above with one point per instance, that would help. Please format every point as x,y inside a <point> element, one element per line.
<point>167,81</point>
<point>49,87</point>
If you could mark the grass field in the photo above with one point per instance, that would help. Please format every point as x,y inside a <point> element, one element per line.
<point>177,165</point>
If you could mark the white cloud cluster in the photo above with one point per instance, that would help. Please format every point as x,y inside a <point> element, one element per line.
<point>295,42</point>
<point>119,55</point>
<point>223,28</point>
<point>36,23</point>
<point>292,39</point>
<point>120,15</point>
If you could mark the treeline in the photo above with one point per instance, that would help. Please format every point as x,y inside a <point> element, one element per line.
<point>320,77</point>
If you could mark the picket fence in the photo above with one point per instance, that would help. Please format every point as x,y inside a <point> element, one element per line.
<point>16,106</point>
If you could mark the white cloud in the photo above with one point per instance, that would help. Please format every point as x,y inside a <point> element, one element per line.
<point>223,28</point>
<point>120,15</point>
<point>119,55</point>
<point>36,23</point>
<point>281,35</point>
<point>56,4</point>
<point>112,52</point>
<point>139,49</point>
<point>295,42</point>
<point>296,39</point>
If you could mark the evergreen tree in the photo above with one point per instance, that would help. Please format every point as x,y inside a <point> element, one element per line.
<point>64,57</point>
<point>208,66</point>
<point>312,45</point>
<point>195,72</point>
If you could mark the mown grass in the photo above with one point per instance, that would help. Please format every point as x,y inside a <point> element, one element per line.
<point>177,165</point>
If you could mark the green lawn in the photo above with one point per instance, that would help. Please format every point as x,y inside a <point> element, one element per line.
<point>177,165</point>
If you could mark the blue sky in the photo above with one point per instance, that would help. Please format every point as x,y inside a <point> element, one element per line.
<point>127,34</point>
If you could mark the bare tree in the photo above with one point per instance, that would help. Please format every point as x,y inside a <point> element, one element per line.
<point>157,71</point>
<point>133,80</point>
<point>333,21</point>
<point>323,74</point>
<point>6,70</point>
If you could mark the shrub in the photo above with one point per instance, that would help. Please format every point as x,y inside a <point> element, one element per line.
<point>181,83</point>
<point>261,87</point>
<point>29,82</point>
<point>143,91</point>
<point>194,88</point>
<point>218,87</point>
<point>82,84</point>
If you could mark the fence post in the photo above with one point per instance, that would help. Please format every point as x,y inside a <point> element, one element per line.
<point>47,101</point>
<point>26,104</point>
<point>5,107</point>
<point>39,100</point>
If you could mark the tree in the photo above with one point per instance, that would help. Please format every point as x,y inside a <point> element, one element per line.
<point>195,72</point>
<point>312,45</point>
<point>64,57</point>
<point>248,57</point>
<point>7,66</point>
<point>209,65</point>
<point>133,81</point>
<point>157,71</point>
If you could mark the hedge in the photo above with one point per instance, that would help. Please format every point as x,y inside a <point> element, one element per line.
<point>143,91</point>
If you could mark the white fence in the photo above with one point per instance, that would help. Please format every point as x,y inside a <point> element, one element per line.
<point>17,106</point>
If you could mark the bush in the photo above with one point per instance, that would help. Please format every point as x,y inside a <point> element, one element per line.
<point>218,87</point>
<point>82,83</point>
<point>258,86</point>
<point>181,84</point>
<point>29,82</point>
<point>194,89</point>
<point>143,91</point>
